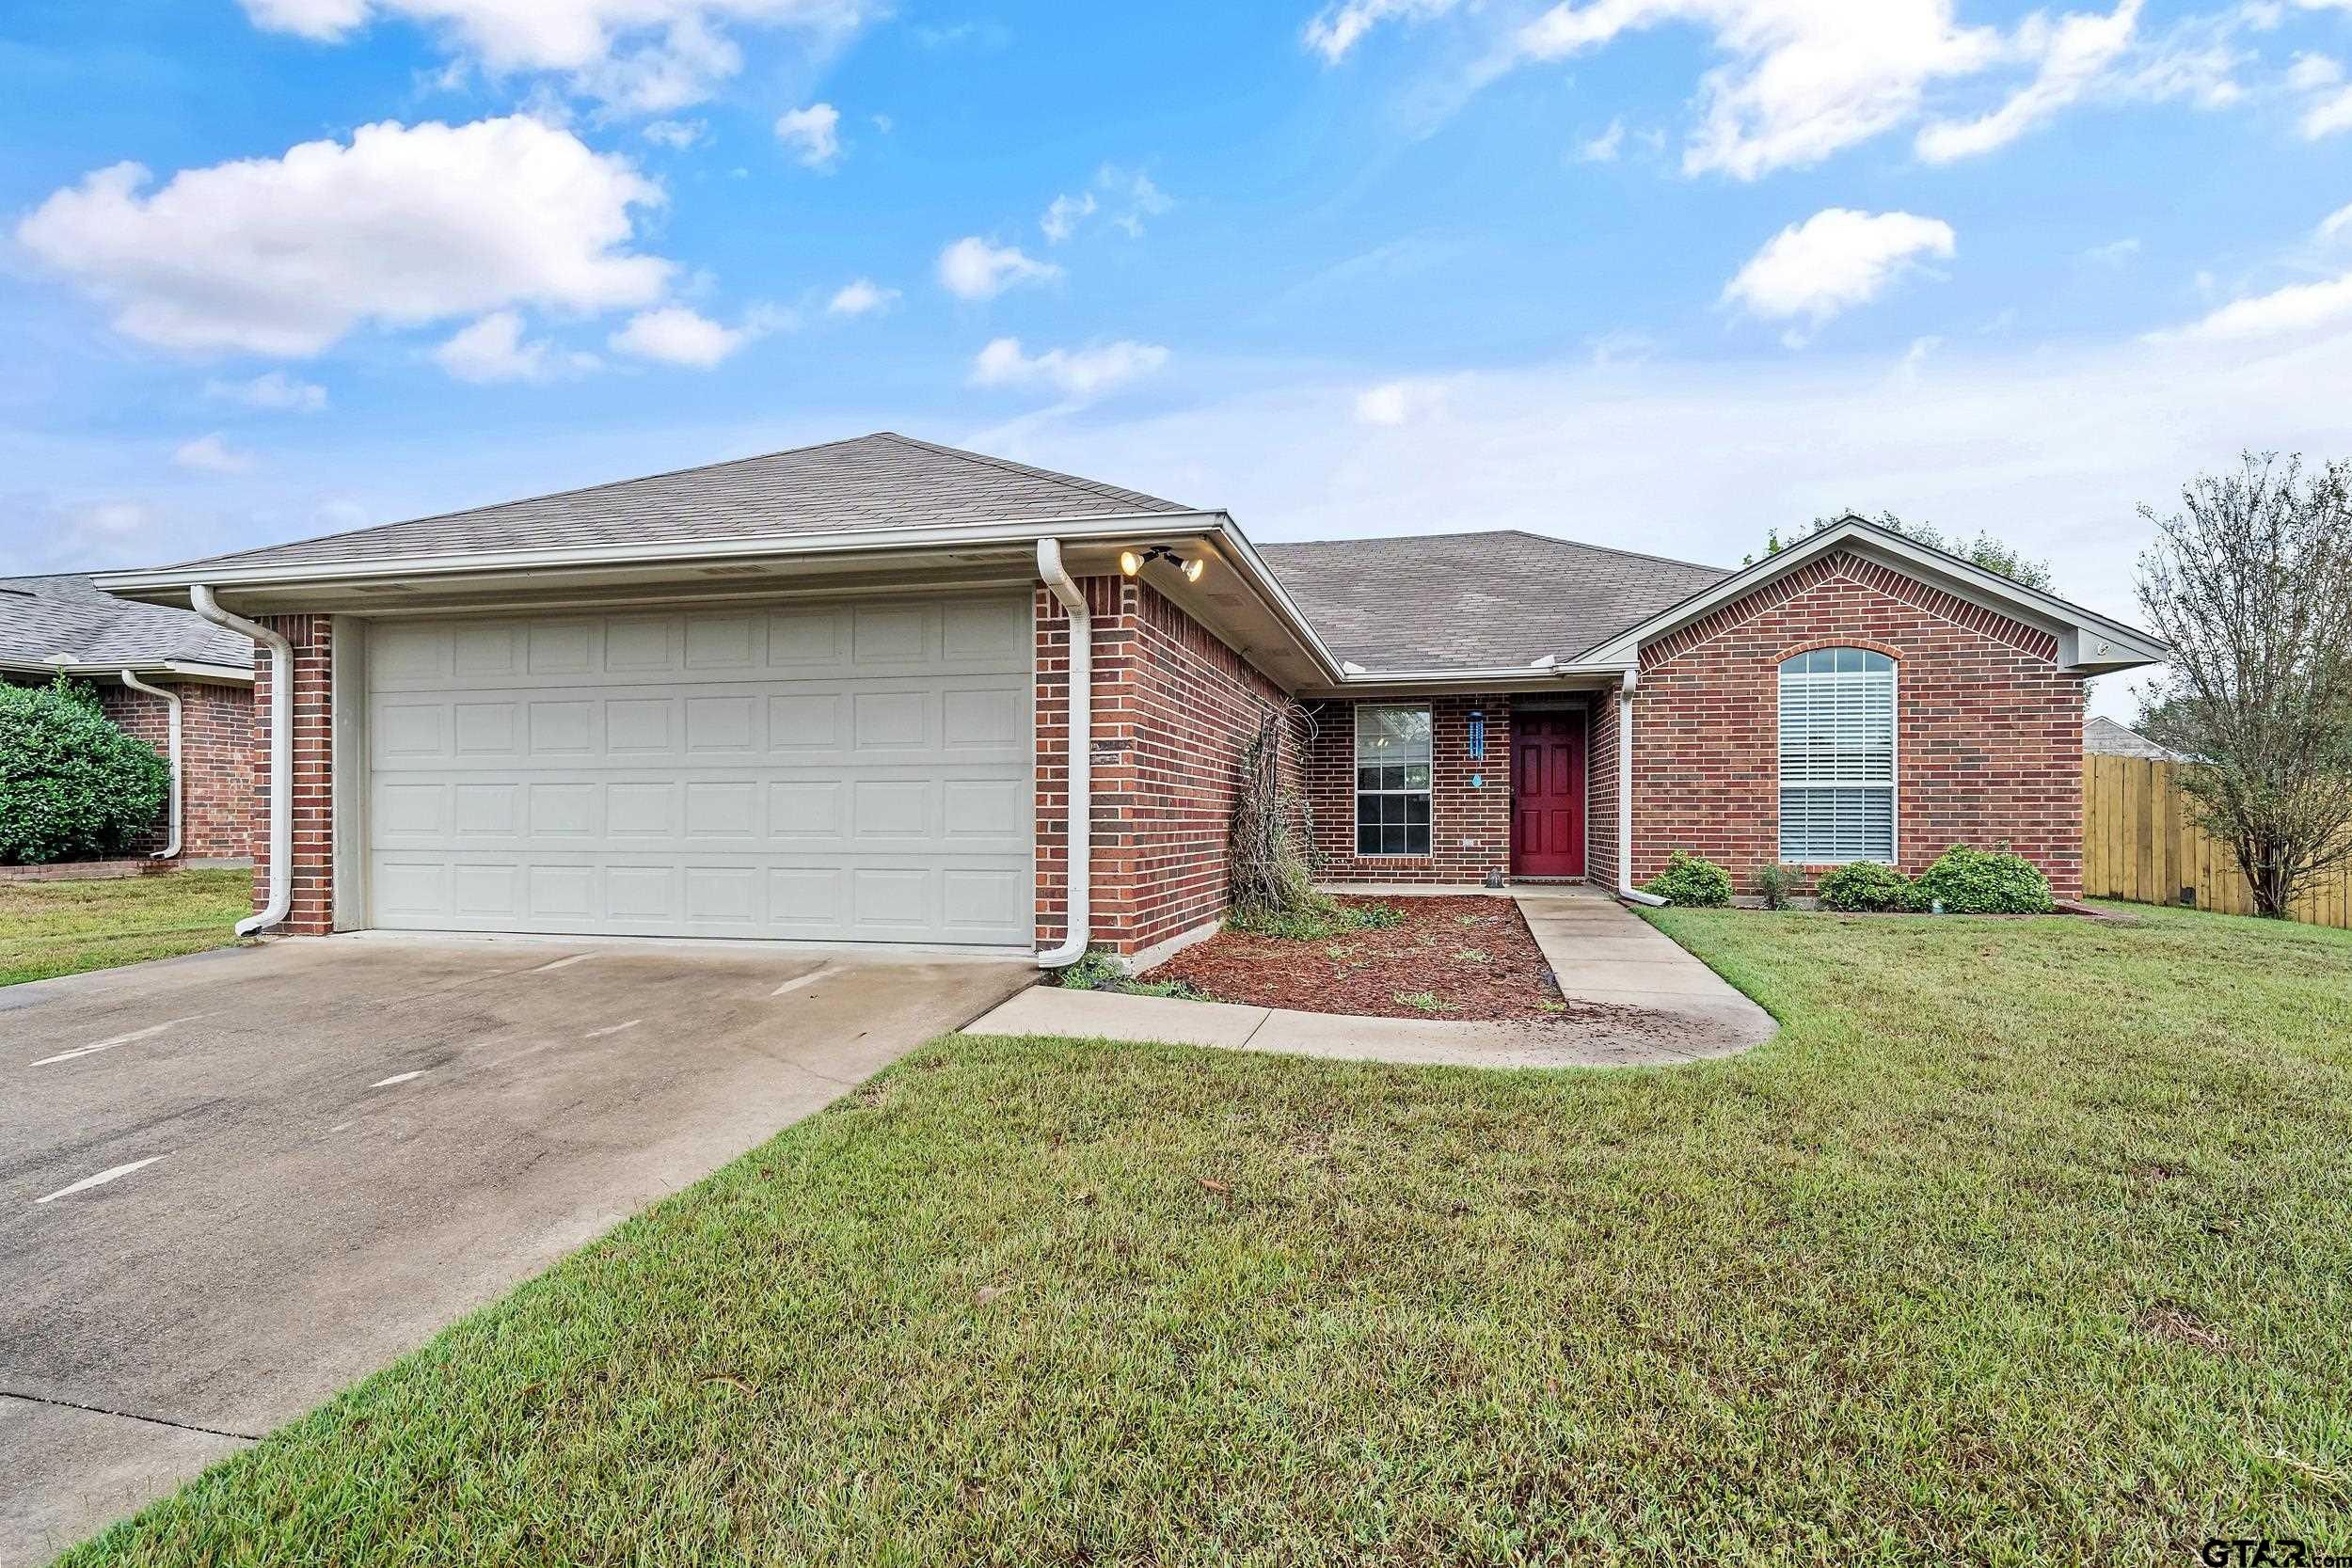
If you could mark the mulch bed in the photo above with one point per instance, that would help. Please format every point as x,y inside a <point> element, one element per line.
<point>1472,955</point>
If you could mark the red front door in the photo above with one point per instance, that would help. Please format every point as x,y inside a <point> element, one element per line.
<point>1548,794</point>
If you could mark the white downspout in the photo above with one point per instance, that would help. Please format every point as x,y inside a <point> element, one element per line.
<point>1626,889</point>
<point>170,851</point>
<point>280,754</point>
<point>1076,934</point>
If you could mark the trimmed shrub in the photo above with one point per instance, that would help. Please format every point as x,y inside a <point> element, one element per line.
<point>1864,887</point>
<point>1981,882</point>
<point>72,786</point>
<point>1691,881</point>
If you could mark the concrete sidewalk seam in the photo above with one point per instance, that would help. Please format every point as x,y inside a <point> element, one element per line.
<point>129,1416</point>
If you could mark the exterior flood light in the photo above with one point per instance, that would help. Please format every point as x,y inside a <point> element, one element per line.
<point>1132,563</point>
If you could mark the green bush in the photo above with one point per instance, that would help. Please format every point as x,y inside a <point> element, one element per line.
<point>1866,887</point>
<point>1773,883</point>
<point>1981,882</point>
<point>1687,880</point>
<point>71,785</point>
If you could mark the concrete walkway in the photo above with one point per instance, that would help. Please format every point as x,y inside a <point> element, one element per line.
<point>1665,1007</point>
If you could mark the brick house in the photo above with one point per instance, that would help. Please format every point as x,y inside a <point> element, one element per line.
<point>150,664</point>
<point>827,694</point>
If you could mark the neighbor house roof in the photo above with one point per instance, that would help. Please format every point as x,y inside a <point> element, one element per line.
<point>2105,737</point>
<point>1474,601</point>
<point>46,619</point>
<point>882,480</point>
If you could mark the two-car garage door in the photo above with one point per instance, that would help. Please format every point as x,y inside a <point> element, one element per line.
<point>845,772</point>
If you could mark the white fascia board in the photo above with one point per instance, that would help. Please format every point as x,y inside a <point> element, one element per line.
<point>683,552</point>
<point>112,670</point>
<point>2088,642</point>
<point>1517,677</point>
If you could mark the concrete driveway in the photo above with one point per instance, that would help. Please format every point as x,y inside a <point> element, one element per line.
<point>232,1183</point>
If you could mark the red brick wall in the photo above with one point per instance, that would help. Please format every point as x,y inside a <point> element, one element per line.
<point>313,909</point>
<point>1988,730</point>
<point>1174,709</point>
<point>1470,830</point>
<point>215,760</point>
<point>1600,817</point>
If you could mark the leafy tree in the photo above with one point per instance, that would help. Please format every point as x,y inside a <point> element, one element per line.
<point>2251,584</point>
<point>72,786</point>
<point>1980,549</point>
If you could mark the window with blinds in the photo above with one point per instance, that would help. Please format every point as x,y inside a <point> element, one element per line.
<point>1392,784</point>
<point>1837,758</point>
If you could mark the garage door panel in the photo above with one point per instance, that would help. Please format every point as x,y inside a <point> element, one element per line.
<point>847,771</point>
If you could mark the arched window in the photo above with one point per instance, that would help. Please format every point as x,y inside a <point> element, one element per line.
<point>1836,757</point>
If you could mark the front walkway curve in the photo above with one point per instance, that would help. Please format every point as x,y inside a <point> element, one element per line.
<point>1665,1007</point>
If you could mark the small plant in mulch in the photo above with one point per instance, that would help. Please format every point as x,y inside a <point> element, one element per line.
<point>1313,917</point>
<point>1425,1002</point>
<point>1101,971</point>
<point>1471,955</point>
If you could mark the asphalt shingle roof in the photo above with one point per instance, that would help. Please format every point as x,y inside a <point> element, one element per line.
<point>1471,601</point>
<point>49,615</point>
<point>2107,739</point>
<point>870,482</point>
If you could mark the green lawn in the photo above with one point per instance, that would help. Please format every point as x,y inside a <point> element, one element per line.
<point>2027,1241</point>
<point>49,928</point>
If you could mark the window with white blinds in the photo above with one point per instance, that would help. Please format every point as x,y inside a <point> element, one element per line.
<point>1837,758</point>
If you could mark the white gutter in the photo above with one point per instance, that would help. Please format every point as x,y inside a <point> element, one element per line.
<point>171,849</point>
<point>1079,748</point>
<point>1626,889</point>
<point>280,754</point>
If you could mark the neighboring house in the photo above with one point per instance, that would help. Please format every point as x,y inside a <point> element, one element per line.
<point>63,623</point>
<point>825,694</point>
<point>2105,737</point>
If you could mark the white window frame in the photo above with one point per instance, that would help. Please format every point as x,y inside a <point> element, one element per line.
<point>1357,791</point>
<point>1894,763</point>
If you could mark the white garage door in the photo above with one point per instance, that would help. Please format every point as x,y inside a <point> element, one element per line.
<point>852,773</point>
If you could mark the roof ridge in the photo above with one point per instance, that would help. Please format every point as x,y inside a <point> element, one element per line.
<point>555,494</point>
<point>1499,532</point>
<point>1091,487</point>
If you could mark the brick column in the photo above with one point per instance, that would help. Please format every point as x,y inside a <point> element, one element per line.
<point>312,912</point>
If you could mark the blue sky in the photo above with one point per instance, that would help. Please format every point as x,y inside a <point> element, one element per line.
<point>1660,273</point>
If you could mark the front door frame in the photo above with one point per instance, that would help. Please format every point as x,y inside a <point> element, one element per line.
<point>1579,792</point>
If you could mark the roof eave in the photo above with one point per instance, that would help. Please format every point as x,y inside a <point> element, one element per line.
<point>190,669</point>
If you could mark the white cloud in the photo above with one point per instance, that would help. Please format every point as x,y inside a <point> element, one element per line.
<point>274,390</point>
<point>676,335</point>
<point>1834,261</point>
<point>2297,307</point>
<point>971,268</point>
<point>1799,80</point>
<point>675,134</point>
<point>2072,54</point>
<point>1063,215</point>
<point>652,55</point>
<point>1604,148</point>
<point>211,455</point>
<point>493,349</point>
<point>1397,402</point>
<point>812,135</point>
<point>2335,223</point>
<point>400,227</point>
<point>861,296</point>
<point>2115,253</point>
<point>1124,197</point>
<point>1339,27</point>
<point>1078,372</point>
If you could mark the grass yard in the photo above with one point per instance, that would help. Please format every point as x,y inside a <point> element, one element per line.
<point>2028,1242</point>
<point>51,928</point>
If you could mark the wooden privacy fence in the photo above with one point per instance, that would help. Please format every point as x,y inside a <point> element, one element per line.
<point>2141,842</point>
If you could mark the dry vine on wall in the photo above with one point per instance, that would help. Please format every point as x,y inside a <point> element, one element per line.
<point>1272,848</point>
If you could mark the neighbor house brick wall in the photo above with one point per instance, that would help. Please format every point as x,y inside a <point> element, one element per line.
<point>1174,712</point>
<point>1469,828</point>
<point>1988,730</point>
<point>216,749</point>
<point>312,912</point>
